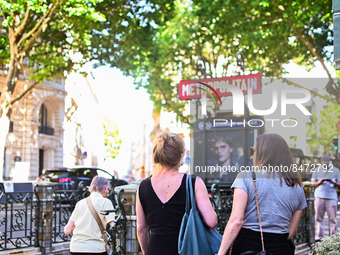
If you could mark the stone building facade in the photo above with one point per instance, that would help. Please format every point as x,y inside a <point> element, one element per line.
<point>35,138</point>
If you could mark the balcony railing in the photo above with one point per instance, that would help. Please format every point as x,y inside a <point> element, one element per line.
<point>46,130</point>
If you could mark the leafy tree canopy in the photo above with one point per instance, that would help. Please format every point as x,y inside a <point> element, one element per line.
<point>159,41</point>
<point>269,33</point>
<point>46,39</point>
<point>58,36</point>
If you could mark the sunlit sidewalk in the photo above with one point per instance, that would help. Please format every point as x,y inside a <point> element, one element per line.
<point>58,249</point>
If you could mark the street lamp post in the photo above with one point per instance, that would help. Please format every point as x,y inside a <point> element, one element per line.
<point>201,71</point>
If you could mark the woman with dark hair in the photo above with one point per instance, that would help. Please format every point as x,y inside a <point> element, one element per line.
<point>161,199</point>
<point>87,237</point>
<point>281,200</point>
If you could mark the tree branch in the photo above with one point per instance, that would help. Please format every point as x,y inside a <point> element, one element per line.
<point>35,28</point>
<point>39,27</point>
<point>24,93</point>
<point>34,84</point>
<point>333,90</point>
<point>312,49</point>
<point>314,93</point>
<point>329,86</point>
<point>24,23</point>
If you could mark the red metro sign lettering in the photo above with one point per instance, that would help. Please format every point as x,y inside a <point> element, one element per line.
<point>190,89</point>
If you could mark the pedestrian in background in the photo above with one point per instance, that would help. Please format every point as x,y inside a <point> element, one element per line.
<point>281,200</point>
<point>326,179</point>
<point>87,237</point>
<point>161,199</point>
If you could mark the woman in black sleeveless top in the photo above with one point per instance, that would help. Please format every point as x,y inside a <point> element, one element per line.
<point>161,199</point>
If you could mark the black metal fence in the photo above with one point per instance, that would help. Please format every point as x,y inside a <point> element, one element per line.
<point>18,220</point>
<point>23,215</point>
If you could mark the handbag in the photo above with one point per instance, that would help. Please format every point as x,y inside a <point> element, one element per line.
<point>106,236</point>
<point>263,252</point>
<point>194,237</point>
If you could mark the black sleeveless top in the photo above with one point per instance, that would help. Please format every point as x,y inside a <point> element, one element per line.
<point>164,219</point>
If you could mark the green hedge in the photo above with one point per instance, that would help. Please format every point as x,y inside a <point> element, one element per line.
<point>329,245</point>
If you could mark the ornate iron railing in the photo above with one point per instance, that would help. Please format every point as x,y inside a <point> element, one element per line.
<point>22,214</point>
<point>18,219</point>
<point>22,218</point>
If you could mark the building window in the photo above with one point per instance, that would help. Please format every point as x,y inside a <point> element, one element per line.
<point>11,126</point>
<point>44,128</point>
<point>43,116</point>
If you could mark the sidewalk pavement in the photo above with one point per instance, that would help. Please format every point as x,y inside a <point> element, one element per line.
<point>57,249</point>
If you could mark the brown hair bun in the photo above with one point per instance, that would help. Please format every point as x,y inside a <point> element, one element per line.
<point>168,149</point>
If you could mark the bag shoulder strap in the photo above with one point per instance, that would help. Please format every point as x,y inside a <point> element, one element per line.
<point>258,208</point>
<point>190,194</point>
<point>95,214</point>
<point>258,212</point>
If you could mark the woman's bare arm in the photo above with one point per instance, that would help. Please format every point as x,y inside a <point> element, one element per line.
<point>68,229</point>
<point>142,227</point>
<point>294,223</point>
<point>235,221</point>
<point>204,205</point>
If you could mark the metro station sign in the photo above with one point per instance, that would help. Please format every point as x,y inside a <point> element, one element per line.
<point>190,89</point>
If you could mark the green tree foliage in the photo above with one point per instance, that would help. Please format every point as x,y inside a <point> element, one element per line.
<point>111,139</point>
<point>269,33</point>
<point>53,37</point>
<point>58,36</point>
<point>323,128</point>
<point>158,41</point>
<point>48,34</point>
<point>126,36</point>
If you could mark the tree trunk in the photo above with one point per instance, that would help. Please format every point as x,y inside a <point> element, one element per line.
<point>4,128</point>
<point>5,110</point>
<point>15,65</point>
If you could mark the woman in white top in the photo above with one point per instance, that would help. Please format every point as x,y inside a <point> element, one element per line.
<point>87,237</point>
